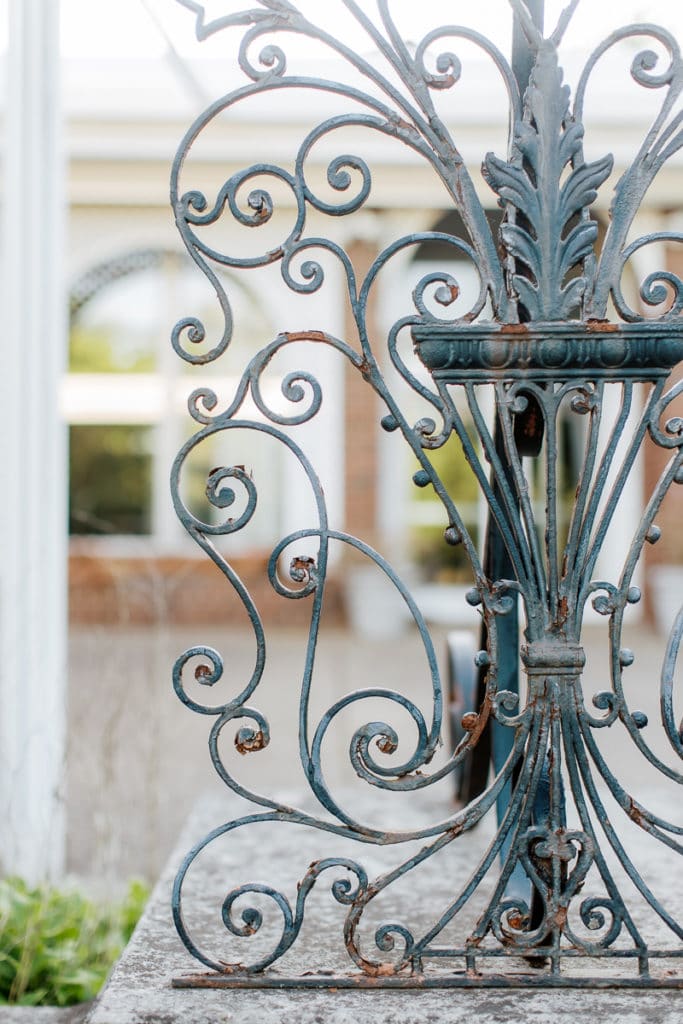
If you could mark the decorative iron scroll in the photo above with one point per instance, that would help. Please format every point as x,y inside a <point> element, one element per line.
<point>538,336</point>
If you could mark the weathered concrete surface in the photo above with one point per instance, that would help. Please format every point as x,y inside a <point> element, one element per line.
<point>44,1014</point>
<point>140,992</point>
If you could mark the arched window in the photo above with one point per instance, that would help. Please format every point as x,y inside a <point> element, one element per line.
<point>126,392</point>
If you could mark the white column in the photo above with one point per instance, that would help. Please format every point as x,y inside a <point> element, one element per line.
<point>33,502</point>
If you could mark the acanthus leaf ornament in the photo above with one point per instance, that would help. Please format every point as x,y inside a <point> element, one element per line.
<point>539,232</point>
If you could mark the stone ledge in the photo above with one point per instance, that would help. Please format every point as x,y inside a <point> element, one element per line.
<point>140,988</point>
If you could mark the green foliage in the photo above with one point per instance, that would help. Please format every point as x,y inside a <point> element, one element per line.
<point>453,471</point>
<point>57,947</point>
<point>439,561</point>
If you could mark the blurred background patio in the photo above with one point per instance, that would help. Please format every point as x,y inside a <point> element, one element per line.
<point>138,592</point>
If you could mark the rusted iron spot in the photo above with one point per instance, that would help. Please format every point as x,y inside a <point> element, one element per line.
<point>365,368</point>
<point>305,336</point>
<point>301,568</point>
<point>561,918</point>
<point>514,329</point>
<point>452,292</point>
<point>373,974</point>
<point>470,721</point>
<point>230,969</point>
<point>302,562</point>
<point>248,744</point>
<point>563,609</point>
<point>635,813</point>
<point>601,327</point>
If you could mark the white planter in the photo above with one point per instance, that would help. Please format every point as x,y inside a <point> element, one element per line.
<point>666,586</point>
<point>445,604</point>
<point>376,608</point>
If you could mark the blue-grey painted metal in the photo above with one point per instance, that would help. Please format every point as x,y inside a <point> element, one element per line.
<point>539,336</point>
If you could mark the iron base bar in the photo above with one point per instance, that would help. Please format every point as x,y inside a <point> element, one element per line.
<point>419,981</point>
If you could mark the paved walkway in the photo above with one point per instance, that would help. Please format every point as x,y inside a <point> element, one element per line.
<point>138,759</point>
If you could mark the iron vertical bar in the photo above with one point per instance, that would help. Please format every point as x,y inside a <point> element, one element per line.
<point>497,560</point>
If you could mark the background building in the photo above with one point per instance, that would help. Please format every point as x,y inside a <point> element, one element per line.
<point>112,248</point>
<point>130,280</point>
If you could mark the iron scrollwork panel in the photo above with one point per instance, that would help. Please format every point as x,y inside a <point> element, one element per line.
<point>537,336</point>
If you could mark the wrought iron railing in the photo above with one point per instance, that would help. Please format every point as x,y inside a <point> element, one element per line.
<point>551,334</point>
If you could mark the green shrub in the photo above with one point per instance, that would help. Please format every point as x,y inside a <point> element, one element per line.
<point>57,947</point>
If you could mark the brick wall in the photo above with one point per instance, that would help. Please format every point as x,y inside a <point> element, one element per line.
<point>146,590</point>
<point>361,420</point>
